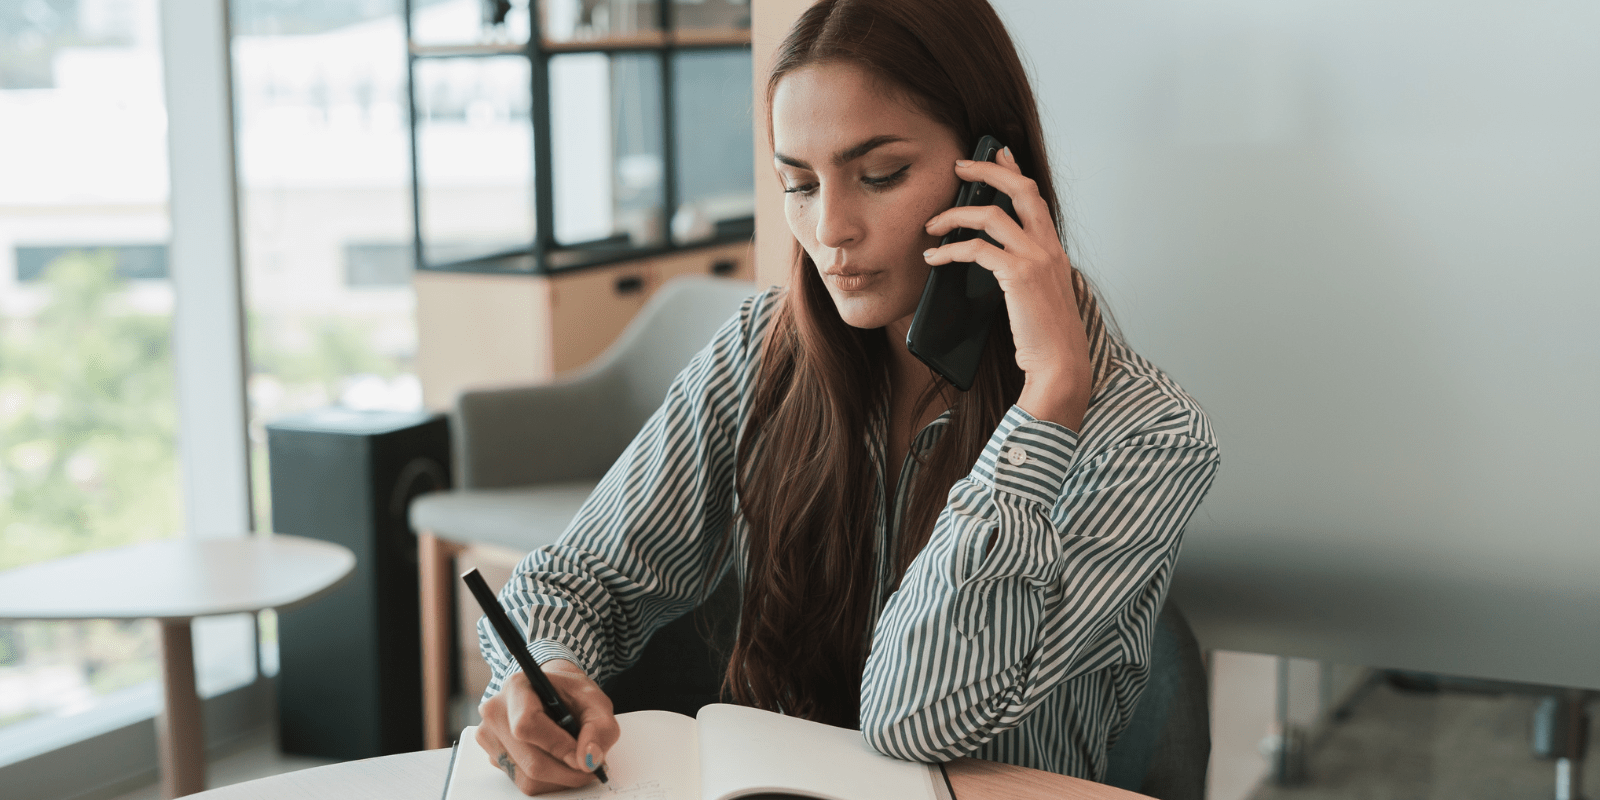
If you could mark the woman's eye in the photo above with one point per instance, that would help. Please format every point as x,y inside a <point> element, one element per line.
<point>801,189</point>
<point>887,180</point>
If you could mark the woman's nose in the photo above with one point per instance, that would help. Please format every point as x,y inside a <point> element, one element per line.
<point>838,223</point>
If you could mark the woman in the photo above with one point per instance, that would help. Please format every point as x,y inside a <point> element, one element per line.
<point>955,573</point>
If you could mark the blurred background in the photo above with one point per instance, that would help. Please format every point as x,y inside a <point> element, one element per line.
<point>1358,231</point>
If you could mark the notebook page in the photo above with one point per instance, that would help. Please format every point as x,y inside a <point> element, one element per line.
<point>746,751</point>
<point>654,760</point>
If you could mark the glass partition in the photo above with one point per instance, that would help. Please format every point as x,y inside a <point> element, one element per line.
<point>711,20</point>
<point>714,150</point>
<point>605,116</point>
<point>470,23</point>
<point>617,21</point>
<point>562,153</point>
<point>474,156</point>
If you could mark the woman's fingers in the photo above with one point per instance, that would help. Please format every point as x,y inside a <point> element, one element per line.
<point>528,723</point>
<point>600,730</point>
<point>974,251</point>
<point>593,710</point>
<point>1006,176</point>
<point>538,754</point>
<point>532,770</point>
<point>588,704</point>
<point>989,219</point>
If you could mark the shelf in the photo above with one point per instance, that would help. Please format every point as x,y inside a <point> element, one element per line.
<point>710,37</point>
<point>588,256</point>
<point>649,40</point>
<point>466,50</point>
<point>645,40</point>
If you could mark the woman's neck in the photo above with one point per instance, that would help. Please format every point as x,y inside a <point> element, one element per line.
<point>909,378</point>
<point>907,373</point>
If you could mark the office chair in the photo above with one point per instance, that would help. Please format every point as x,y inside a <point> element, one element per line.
<point>1166,747</point>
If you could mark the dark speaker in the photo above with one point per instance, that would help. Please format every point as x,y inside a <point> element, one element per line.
<point>350,665</point>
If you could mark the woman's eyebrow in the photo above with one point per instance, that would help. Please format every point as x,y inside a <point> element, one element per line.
<point>846,155</point>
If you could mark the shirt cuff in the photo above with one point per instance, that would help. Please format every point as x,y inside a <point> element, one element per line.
<point>544,650</point>
<point>1028,457</point>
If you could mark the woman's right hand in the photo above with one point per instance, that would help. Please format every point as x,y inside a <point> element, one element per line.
<point>530,748</point>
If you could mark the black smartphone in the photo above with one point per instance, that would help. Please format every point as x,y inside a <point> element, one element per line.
<point>961,300</point>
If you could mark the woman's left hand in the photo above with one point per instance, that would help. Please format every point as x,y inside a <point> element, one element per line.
<point>1036,276</point>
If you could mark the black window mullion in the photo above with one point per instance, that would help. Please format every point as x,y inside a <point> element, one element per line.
<point>411,117</point>
<point>544,216</point>
<point>669,119</point>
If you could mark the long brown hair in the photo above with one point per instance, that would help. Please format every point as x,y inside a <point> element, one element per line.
<point>806,485</point>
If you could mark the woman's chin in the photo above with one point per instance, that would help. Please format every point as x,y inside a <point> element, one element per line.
<point>867,316</point>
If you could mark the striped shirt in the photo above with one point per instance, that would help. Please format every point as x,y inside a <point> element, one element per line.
<point>1030,652</point>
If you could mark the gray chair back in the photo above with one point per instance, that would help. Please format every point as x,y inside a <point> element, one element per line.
<point>1167,746</point>
<point>672,327</point>
<point>575,429</point>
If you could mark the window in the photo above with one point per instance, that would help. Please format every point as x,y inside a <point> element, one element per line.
<point>88,422</point>
<point>89,429</point>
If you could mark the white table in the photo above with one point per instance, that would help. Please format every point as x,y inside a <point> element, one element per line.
<point>173,582</point>
<point>420,776</point>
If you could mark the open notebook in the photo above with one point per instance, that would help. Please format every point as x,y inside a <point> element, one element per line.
<point>726,752</point>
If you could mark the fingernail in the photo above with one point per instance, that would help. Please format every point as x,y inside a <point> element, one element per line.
<point>588,759</point>
<point>927,253</point>
<point>961,162</point>
<point>1009,156</point>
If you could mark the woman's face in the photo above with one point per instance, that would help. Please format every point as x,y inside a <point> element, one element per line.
<point>863,172</point>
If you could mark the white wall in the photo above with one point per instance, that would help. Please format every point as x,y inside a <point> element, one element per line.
<point>1364,236</point>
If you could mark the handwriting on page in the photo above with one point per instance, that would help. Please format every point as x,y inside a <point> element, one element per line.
<point>638,790</point>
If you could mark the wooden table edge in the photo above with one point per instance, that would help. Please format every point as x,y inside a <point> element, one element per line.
<point>976,779</point>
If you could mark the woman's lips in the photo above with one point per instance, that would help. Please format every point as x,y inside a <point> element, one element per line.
<point>852,281</point>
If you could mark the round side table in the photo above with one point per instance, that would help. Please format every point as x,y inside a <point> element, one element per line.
<point>172,582</point>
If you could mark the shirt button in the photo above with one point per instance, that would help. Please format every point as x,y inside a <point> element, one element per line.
<point>1016,456</point>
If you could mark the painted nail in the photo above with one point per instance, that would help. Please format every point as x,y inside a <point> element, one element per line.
<point>961,162</point>
<point>1009,155</point>
<point>927,253</point>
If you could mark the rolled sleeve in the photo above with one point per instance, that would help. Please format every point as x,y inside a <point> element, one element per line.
<point>545,650</point>
<point>502,665</point>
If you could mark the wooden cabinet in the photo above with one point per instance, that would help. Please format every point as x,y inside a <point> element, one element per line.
<point>478,330</point>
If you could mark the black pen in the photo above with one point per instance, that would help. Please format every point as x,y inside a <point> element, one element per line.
<point>512,638</point>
